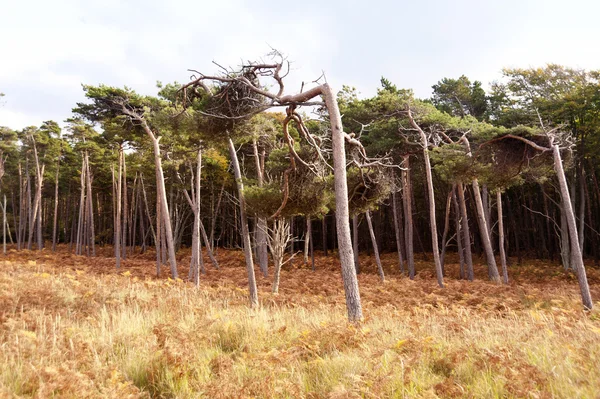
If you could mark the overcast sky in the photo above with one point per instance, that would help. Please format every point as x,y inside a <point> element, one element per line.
<point>49,48</point>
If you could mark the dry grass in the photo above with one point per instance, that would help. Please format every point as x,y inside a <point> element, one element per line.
<point>75,327</point>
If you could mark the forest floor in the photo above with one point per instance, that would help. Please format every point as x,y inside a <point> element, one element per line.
<point>76,327</point>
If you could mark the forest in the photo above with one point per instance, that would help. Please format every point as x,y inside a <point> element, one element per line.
<point>233,236</point>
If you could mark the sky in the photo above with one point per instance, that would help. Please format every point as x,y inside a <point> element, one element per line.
<point>49,48</point>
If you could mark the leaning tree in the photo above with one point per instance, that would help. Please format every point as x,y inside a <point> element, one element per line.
<point>554,141</point>
<point>239,94</point>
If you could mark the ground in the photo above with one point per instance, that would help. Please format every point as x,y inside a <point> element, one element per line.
<point>75,327</point>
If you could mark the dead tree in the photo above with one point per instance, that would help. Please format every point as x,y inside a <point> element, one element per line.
<point>278,239</point>
<point>241,95</point>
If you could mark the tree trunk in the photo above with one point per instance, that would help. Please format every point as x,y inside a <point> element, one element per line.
<point>446,230</point>
<point>395,210</point>
<point>581,210</point>
<point>353,303</point>
<point>244,222</point>
<point>80,220</point>
<point>375,248</point>
<point>4,226</point>
<point>355,242</point>
<point>465,231</point>
<point>586,297</point>
<point>261,225</point>
<point>408,219</point>
<point>92,233</point>
<point>118,203</point>
<point>431,195</point>
<point>485,237</point>
<point>162,193</point>
<point>307,240</point>
<point>501,237</point>
<point>324,231</point>
<point>55,221</point>
<point>459,241</point>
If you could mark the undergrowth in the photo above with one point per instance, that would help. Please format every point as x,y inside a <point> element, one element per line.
<point>75,327</point>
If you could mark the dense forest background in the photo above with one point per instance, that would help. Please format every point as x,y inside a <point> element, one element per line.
<point>136,172</point>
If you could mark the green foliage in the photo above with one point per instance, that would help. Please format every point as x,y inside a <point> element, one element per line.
<point>460,97</point>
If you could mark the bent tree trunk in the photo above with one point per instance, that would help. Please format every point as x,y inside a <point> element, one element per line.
<point>162,193</point>
<point>485,236</point>
<point>375,248</point>
<point>577,257</point>
<point>430,191</point>
<point>244,222</point>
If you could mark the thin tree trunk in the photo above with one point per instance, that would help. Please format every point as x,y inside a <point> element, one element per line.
<point>457,226</point>
<point>80,220</point>
<point>324,230</point>
<point>92,235</point>
<point>355,243</point>
<point>261,225</point>
<point>244,222</point>
<point>581,210</point>
<point>214,218</point>
<point>465,231</point>
<point>55,221</point>
<point>375,248</point>
<point>124,197</point>
<point>395,211</point>
<point>4,226</point>
<point>307,240</point>
<point>432,216</point>
<point>485,237</point>
<point>311,241</point>
<point>501,237</point>
<point>408,219</point>
<point>446,230</point>
<point>119,202</point>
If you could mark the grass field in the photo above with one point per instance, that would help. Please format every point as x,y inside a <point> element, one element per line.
<point>75,327</point>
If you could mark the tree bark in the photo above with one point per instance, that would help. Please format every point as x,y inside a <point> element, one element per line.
<point>446,230</point>
<point>92,233</point>
<point>459,241</point>
<point>408,219</point>
<point>355,243</point>
<point>395,211</point>
<point>55,221</point>
<point>465,231</point>
<point>307,239</point>
<point>353,303</point>
<point>261,225</point>
<point>432,216</point>
<point>375,248</point>
<point>586,297</point>
<point>244,222</point>
<point>501,237</point>
<point>118,203</point>
<point>485,237</point>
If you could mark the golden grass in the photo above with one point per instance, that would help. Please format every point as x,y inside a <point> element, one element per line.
<point>74,327</point>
